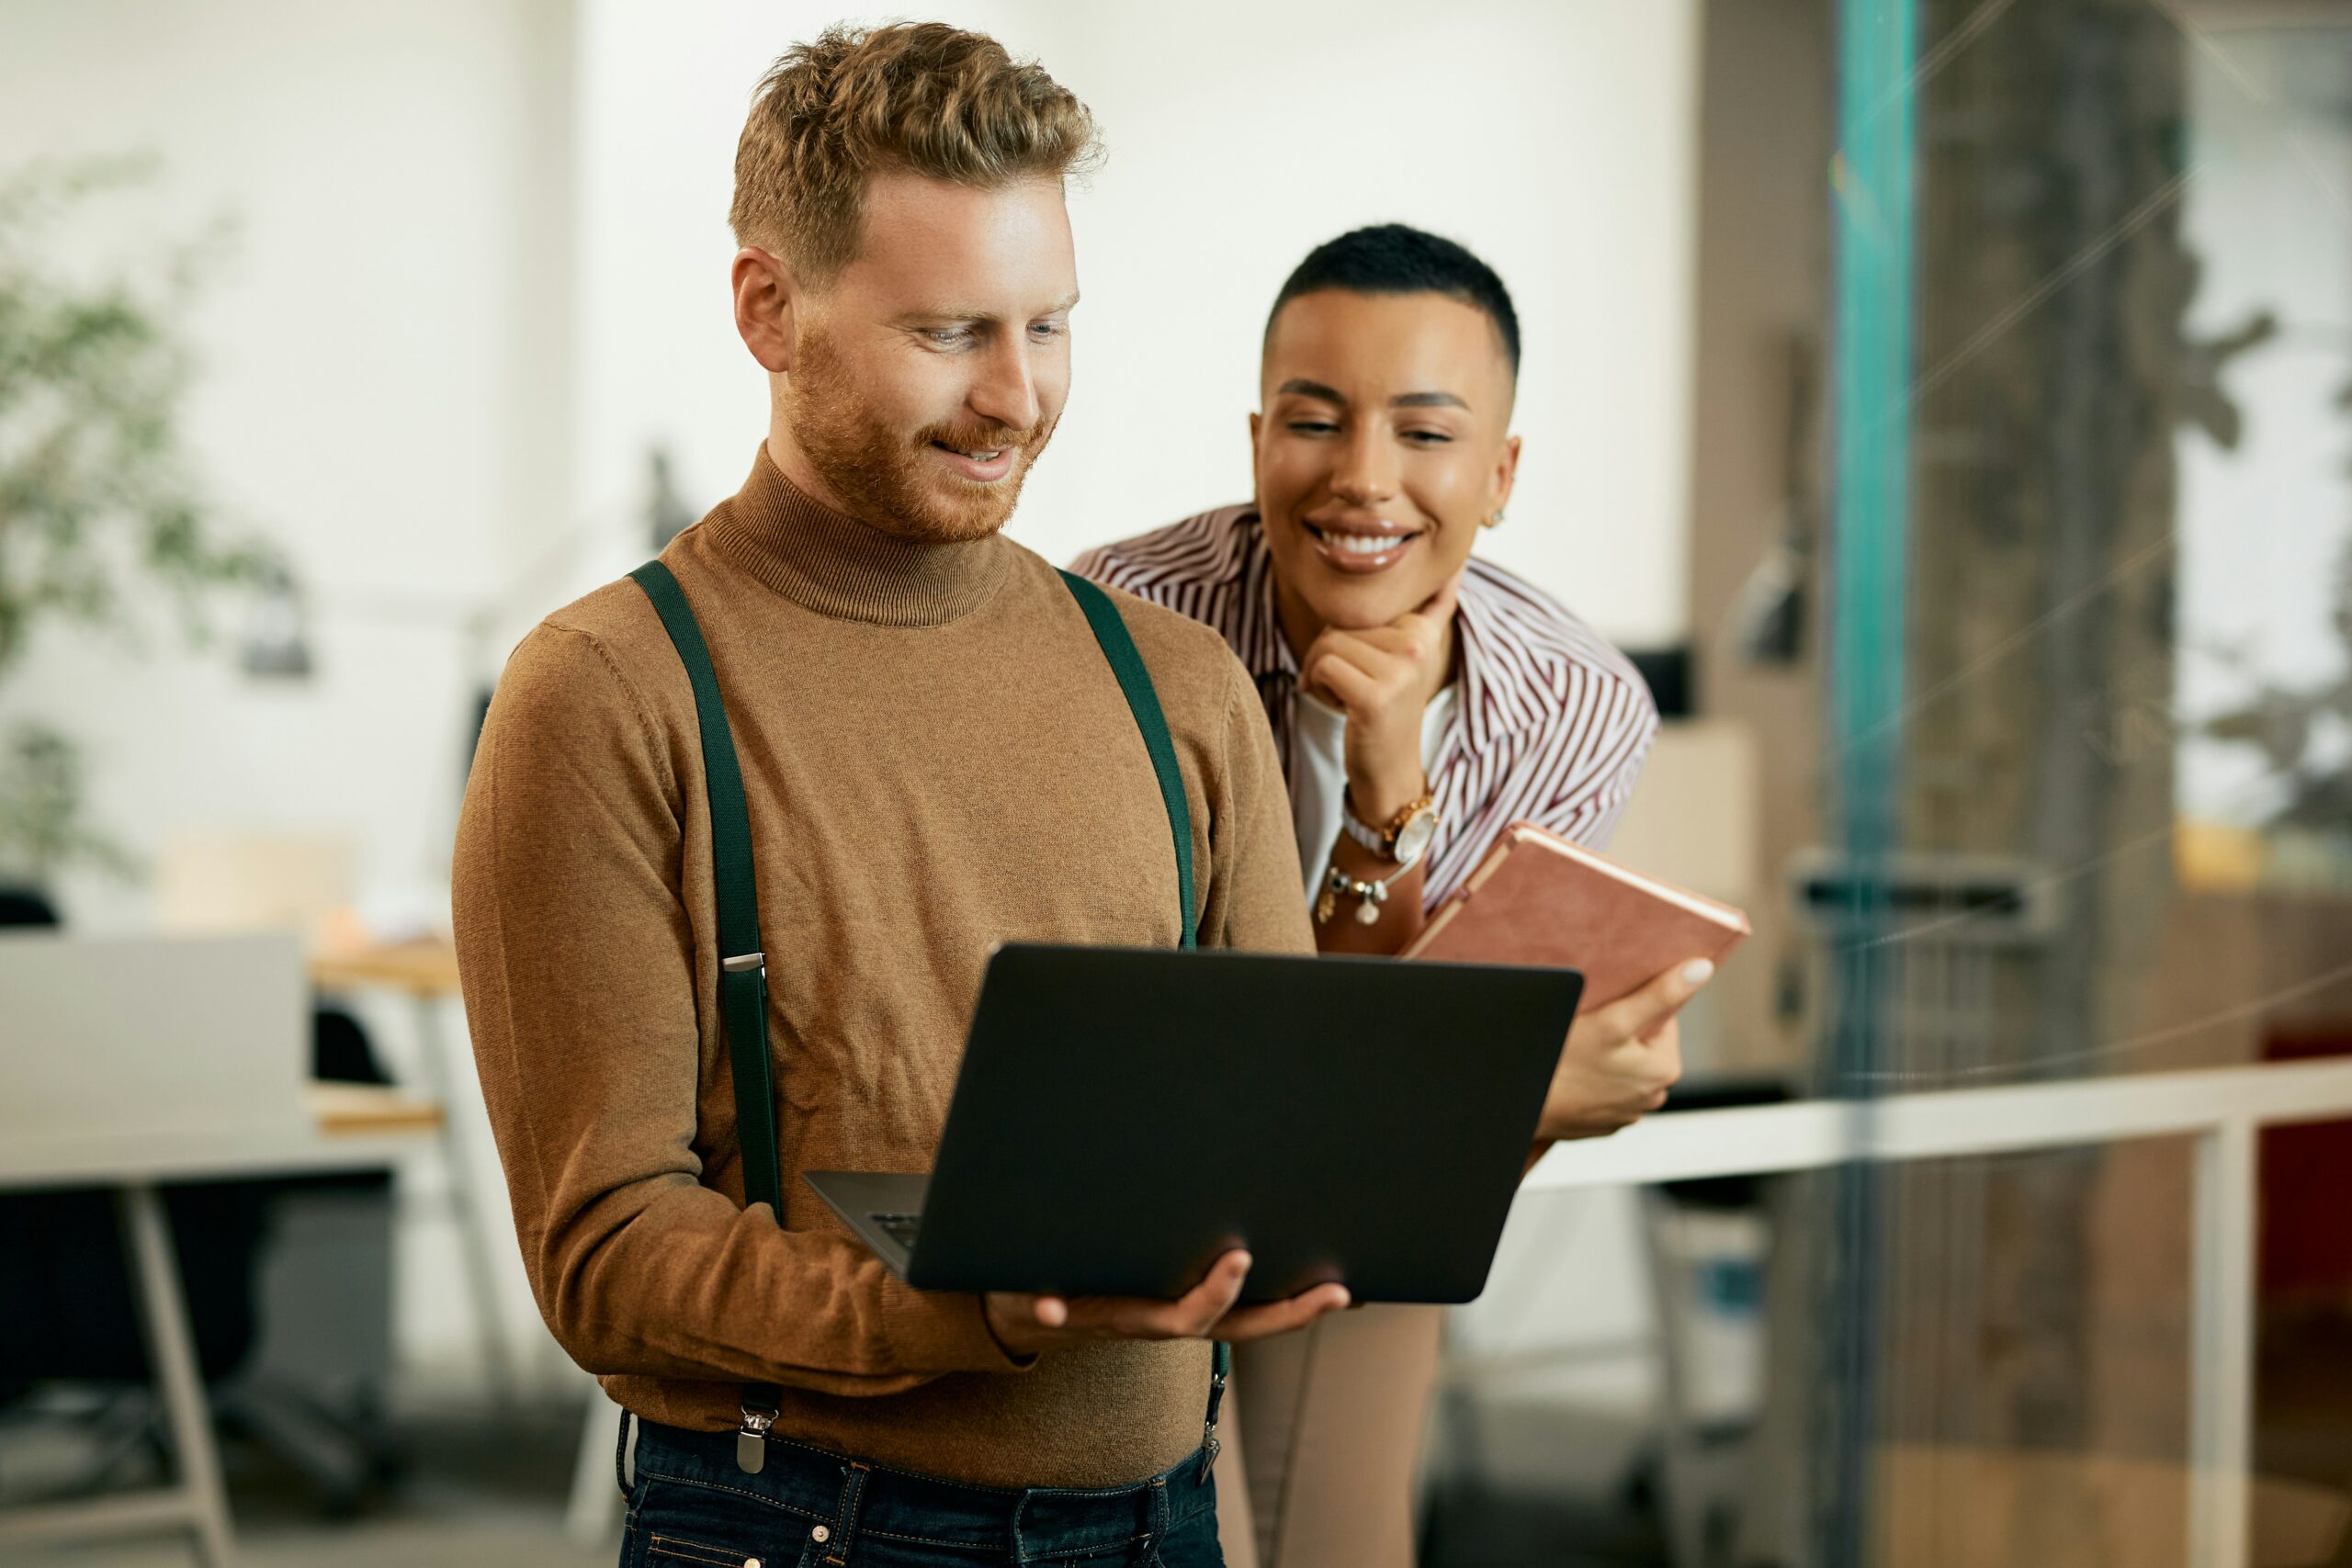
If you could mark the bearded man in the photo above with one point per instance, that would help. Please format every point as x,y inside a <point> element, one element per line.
<point>935,758</point>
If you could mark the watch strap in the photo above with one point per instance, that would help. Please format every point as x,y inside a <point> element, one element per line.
<point>1356,828</point>
<point>1381,842</point>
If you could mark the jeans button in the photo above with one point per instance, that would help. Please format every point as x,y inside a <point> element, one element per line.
<point>820,1535</point>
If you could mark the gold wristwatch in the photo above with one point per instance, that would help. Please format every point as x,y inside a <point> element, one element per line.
<point>1403,837</point>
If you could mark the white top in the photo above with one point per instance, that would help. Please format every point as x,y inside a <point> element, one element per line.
<point>1318,774</point>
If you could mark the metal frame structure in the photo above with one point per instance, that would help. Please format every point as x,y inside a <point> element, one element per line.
<point>2223,1109</point>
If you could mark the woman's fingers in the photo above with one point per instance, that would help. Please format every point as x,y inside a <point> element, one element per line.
<point>1412,641</point>
<point>1644,1066</point>
<point>1647,1010</point>
<point>1334,674</point>
<point>1397,657</point>
<point>1664,1050</point>
<point>1356,651</point>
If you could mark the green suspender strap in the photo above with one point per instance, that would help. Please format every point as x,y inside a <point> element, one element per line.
<point>1144,703</point>
<point>743,963</point>
<point>742,978</point>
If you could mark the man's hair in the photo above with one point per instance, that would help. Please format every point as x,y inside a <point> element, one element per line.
<point>1392,258</point>
<point>921,96</point>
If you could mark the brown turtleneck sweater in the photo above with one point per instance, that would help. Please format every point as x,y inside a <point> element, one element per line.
<point>938,758</point>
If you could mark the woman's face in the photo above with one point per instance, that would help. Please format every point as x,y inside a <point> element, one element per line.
<point>1382,445</point>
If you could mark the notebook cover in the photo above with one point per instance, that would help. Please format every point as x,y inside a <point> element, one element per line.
<point>1536,898</point>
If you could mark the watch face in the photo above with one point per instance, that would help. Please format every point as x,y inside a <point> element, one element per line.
<point>1414,837</point>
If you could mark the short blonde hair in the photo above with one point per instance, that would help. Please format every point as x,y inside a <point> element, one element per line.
<point>922,96</point>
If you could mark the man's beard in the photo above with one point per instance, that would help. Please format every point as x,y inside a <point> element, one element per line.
<point>879,474</point>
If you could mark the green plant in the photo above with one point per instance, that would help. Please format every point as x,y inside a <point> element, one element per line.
<point>99,511</point>
<point>41,819</point>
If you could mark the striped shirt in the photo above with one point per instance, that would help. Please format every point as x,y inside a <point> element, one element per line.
<point>1551,723</point>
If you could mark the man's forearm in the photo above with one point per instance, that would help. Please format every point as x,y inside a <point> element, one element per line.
<point>691,1286</point>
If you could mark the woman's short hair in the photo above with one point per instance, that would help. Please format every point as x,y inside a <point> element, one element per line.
<point>1396,258</point>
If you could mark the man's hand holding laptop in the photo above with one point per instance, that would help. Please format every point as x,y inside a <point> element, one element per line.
<point>1026,1324</point>
<point>1621,1059</point>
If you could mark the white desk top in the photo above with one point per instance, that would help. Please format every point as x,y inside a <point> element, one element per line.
<point>1809,1134</point>
<point>383,1128</point>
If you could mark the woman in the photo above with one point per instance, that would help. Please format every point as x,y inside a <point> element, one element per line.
<point>1422,700</point>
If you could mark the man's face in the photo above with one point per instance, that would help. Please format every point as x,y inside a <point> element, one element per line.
<point>1382,445</point>
<point>930,373</point>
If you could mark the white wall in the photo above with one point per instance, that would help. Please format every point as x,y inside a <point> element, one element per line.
<point>383,388</point>
<point>1555,136</point>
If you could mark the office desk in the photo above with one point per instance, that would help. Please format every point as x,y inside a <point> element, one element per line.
<point>351,1127</point>
<point>425,972</point>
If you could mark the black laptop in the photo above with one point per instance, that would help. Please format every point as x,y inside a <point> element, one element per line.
<point>1125,1115</point>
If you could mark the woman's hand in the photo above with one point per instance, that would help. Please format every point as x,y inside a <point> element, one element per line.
<point>1025,1325</point>
<point>1383,678</point>
<point>1621,1059</point>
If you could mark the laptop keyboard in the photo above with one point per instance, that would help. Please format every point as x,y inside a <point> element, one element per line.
<point>899,1228</point>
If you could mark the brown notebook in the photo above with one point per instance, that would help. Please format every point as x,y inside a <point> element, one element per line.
<point>1537,898</point>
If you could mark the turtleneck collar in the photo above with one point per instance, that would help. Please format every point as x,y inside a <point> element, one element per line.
<point>830,562</point>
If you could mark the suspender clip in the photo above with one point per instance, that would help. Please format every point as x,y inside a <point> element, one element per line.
<point>748,961</point>
<point>1210,1444</point>
<point>752,1442</point>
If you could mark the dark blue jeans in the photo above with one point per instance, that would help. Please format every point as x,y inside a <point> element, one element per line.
<point>690,1504</point>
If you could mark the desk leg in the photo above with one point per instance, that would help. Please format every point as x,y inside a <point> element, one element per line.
<point>481,1264</point>
<point>164,1314</point>
<point>1683,1501</point>
<point>2220,1343</point>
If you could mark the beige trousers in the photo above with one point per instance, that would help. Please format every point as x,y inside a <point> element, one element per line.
<point>1323,1434</point>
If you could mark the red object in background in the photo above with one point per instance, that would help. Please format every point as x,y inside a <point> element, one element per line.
<point>2304,1251</point>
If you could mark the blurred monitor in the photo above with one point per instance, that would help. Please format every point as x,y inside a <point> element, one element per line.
<point>152,1036</point>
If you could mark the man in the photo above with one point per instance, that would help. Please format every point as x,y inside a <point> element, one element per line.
<point>937,758</point>
<point>1422,700</point>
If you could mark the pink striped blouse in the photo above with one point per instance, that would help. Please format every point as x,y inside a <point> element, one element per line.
<point>1551,725</point>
